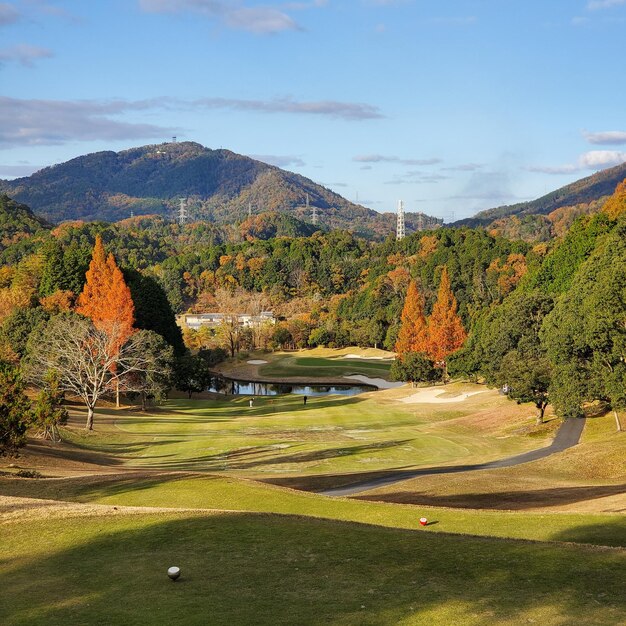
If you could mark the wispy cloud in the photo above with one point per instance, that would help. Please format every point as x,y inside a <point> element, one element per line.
<point>279,160</point>
<point>607,137</point>
<point>24,54</point>
<point>255,19</point>
<point>53,122</point>
<point>379,158</point>
<point>8,14</point>
<point>592,160</point>
<point>463,167</point>
<point>594,5</point>
<point>417,178</point>
<point>329,108</point>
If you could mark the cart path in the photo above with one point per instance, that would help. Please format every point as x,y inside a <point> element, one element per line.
<point>567,436</point>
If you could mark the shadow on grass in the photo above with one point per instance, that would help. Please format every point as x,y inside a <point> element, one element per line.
<point>260,569</point>
<point>504,500</point>
<point>251,457</point>
<point>611,533</point>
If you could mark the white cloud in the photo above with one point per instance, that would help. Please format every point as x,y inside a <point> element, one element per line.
<point>24,54</point>
<point>592,160</point>
<point>26,122</point>
<point>54,122</point>
<point>259,20</point>
<point>463,167</point>
<point>594,5</point>
<point>379,158</point>
<point>615,137</point>
<point>599,159</point>
<point>329,108</point>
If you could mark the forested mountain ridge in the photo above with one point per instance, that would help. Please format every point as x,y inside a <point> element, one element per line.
<point>17,222</point>
<point>219,186</point>
<point>586,191</point>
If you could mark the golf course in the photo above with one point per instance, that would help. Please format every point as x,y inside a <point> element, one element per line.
<point>234,495</point>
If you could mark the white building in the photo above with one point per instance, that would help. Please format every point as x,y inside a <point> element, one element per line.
<point>195,321</point>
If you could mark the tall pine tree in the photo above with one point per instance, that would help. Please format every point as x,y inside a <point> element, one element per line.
<point>445,329</point>
<point>413,336</point>
<point>106,299</point>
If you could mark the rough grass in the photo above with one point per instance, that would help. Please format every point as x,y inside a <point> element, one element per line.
<point>247,568</point>
<point>218,492</point>
<point>587,477</point>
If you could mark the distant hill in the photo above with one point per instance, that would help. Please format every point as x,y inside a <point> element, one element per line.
<point>218,185</point>
<point>17,222</point>
<point>585,191</point>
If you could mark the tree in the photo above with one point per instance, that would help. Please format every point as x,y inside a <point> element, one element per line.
<point>16,329</point>
<point>192,374</point>
<point>15,409</point>
<point>527,379</point>
<point>48,413</point>
<point>414,367</point>
<point>585,334</point>
<point>106,300</point>
<point>90,362</point>
<point>413,335</point>
<point>445,329</point>
<point>615,206</point>
<point>153,382</point>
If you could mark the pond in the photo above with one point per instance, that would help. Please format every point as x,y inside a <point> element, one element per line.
<point>233,387</point>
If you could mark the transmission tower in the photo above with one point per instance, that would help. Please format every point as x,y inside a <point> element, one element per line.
<point>249,209</point>
<point>314,215</point>
<point>400,232</point>
<point>182,212</point>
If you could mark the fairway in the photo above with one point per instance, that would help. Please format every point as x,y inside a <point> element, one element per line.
<point>331,436</point>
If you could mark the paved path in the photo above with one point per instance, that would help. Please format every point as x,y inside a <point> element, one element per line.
<point>567,436</point>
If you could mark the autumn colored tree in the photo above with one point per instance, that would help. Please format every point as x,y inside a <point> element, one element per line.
<point>616,204</point>
<point>445,329</point>
<point>413,335</point>
<point>106,300</point>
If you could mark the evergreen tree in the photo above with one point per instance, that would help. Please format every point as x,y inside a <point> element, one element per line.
<point>106,300</point>
<point>445,329</point>
<point>413,335</point>
<point>14,410</point>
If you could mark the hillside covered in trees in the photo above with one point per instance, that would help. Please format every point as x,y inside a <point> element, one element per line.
<point>582,196</point>
<point>536,319</point>
<point>219,186</point>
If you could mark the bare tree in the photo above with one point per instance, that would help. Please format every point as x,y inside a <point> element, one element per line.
<point>89,362</point>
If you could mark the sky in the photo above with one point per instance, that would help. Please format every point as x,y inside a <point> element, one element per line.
<point>451,106</point>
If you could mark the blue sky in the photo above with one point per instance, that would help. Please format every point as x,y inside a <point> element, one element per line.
<point>452,106</point>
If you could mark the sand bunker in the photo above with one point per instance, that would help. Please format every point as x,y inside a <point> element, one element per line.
<point>433,396</point>
<point>256,362</point>
<point>369,358</point>
<point>381,383</point>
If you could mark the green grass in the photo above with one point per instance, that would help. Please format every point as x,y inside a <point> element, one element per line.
<point>218,492</point>
<point>280,436</point>
<point>321,367</point>
<point>246,568</point>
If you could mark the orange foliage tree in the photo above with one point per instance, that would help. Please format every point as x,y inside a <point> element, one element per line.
<point>413,335</point>
<point>106,299</point>
<point>445,329</point>
<point>616,204</point>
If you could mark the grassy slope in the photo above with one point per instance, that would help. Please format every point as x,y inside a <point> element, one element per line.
<point>218,492</point>
<point>590,476</point>
<point>244,568</point>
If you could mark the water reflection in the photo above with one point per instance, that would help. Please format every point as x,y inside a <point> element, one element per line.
<point>248,388</point>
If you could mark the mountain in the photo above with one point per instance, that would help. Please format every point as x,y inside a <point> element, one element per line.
<point>17,222</point>
<point>584,191</point>
<point>218,185</point>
